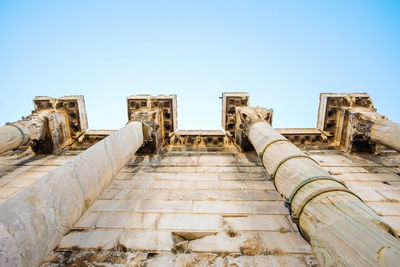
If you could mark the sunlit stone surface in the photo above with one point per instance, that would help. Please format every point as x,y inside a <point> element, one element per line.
<point>186,198</point>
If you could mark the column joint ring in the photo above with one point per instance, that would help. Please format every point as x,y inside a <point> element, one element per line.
<point>289,158</point>
<point>288,201</point>
<point>261,154</point>
<point>308,199</point>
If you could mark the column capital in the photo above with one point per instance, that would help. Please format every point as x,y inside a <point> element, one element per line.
<point>64,120</point>
<point>237,116</point>
<point>246,116</point>
<point>230,101</point>
<point>54,123</point>
<point>159,118</point>
<point>347,120</point>
<point>73,107</point>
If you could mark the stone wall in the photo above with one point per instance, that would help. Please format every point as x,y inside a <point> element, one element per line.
<point>210,208</point>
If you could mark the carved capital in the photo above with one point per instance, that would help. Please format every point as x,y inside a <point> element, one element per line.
<point>356,130</point>
<point>158,117</point>
<point>151,122</point>
<point>237,116</point>
<point>55,123</point>
<point>71,107</point>
<point>246,116</point>
<point>347,120</point>
<point>230,101</point>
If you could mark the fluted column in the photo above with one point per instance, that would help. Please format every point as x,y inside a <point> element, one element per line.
<point>34,220</point>
<point>342,229</point>
<point>387,133</point>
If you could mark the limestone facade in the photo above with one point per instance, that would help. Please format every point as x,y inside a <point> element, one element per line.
<point>201,198</point>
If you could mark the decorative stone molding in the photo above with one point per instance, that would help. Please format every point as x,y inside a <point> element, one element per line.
<point>245,116</point>
<point>305,138</point>
<point>237,117</point>
<point>233,123</point>
<point>204,140</point>
<point>153,134</point>
<point>165,104</point>
<point>54,124</point>
<point>229,103</point>
<point>158,116</point>
<point>248,115</point>
<point>347,120</point>
<point>65,120</point>
<point>73,108</point>
<point>89,138</point>
<point>356,130</point>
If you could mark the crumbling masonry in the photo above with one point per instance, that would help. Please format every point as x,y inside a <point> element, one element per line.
<point>152,195</point>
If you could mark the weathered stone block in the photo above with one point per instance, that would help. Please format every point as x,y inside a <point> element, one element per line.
<point>258,223</point>
<point>271,260</point>
<point>154,241</point>
<point>112,205</point>
<point>190,222</point>
<point>222,207</point>
<point>385,208</point>
<point>284,243</point>
<point>91,239</point>
<point>221,243</point>
<point>173,206</point>
<point>268,207</point>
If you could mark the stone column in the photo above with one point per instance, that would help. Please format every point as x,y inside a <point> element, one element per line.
<point>13,136</point>
<point>388,133</point>
<point>54,124</point>
<point>34,220</point>
<point>352,124</point>
<point>340,227</point>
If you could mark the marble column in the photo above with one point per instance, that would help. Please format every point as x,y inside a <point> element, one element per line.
<point>388,133</point>
<point>12,136</point>
<point>33,221</point>
<point>342,230</point>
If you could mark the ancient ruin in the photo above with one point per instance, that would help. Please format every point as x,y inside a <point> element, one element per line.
<point>150,194</point>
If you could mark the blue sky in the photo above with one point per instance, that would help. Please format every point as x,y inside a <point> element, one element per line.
<point>283,53</point>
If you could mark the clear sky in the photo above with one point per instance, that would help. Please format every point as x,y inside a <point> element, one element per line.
<point>284,53</point>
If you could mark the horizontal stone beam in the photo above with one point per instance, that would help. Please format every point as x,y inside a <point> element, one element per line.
<point>33,221</point>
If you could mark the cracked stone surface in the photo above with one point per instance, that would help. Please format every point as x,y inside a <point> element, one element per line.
<point>199,209</point>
